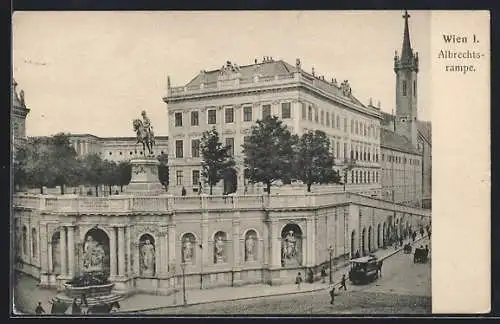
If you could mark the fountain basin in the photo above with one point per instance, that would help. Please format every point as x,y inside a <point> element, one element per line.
<point>89,291</point>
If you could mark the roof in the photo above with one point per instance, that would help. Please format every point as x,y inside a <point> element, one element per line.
<point>425,130</point>
<point>270,68</point>
<point>424,127</point>
<point>116,138</point>
<point>395,141</point>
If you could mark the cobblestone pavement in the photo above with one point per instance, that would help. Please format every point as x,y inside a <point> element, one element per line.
<point>27,294</point>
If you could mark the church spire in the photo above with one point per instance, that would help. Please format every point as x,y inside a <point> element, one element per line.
<point>406,52</point>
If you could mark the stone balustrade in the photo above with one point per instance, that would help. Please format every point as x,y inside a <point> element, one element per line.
<point>167,203</point>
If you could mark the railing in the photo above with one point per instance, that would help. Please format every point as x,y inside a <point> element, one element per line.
<point>166,203</point>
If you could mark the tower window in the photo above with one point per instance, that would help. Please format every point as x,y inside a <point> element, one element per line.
<point>404,88</point>
<point>414,88</point>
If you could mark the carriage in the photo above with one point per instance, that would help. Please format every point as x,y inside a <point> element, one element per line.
<point>407,248</point>
<point>364,269</point>
<point>420,255</point>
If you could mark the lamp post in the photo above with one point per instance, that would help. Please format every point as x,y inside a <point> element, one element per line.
<point>183,267</point>
<point>331,250</point>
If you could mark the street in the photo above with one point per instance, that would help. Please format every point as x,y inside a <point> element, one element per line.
<point>404,288</point>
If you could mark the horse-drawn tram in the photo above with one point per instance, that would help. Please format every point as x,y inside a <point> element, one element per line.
<point>364,269</point>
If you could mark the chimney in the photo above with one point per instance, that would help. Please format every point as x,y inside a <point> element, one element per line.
<point>313,73</point>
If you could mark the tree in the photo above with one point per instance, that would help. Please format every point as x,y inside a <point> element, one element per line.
<point>110,174</point>
<point>63,159</point>
<point>93,171</point>
<point>269,152</point>
<point>314,160</point>
<point>216,157</point>
<point>32,165</point>
<point>124,174</point>
<point>163,171</point>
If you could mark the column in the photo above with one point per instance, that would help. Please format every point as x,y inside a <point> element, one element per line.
<point>158,256</point>
<point>275,245</point>
<point>163,252</point>
<point>129,253</point>
<point>71,251</point>
<point>112,252</point>
<point>236,240</point>
<point>137,259</point>
<point>121,251</point>
<point>309,242</point>
<point>62,246</point>
<point>49,256</point>
<point>171,247</point>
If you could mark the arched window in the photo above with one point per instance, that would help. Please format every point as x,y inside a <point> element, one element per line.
<point>220,247</point>
<point>188,252</point>
<point>250,246</point>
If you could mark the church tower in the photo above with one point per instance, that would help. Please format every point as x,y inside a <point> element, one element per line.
<point>406,69</point>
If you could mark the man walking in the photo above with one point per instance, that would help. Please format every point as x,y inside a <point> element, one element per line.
<point>298,280</point>
<point>342,283</point>
<point>380,267</point>
<point>332,295</point>
<point>39,309</point>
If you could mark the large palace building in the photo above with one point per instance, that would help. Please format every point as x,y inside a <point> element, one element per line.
<point>388,160</point>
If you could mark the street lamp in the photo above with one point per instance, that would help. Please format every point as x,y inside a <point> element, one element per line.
<point>183,267</point>
<point>331,250</point>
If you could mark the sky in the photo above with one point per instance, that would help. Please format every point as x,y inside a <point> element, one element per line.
<point>93,72</point>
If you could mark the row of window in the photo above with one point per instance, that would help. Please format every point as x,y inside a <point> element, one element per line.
<point>334,121</point>
<point>358,176</point>
<point>286,113</point>
<point>401,160</point>
<point>195,147</point>
<point>195,177</point>
<point>404,89</point>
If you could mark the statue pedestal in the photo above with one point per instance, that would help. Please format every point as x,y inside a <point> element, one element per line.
<point>144,180</point>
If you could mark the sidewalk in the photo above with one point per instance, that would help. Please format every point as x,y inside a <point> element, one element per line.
<point>144,302</point>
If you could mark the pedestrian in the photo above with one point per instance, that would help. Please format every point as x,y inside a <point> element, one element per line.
<point>183,191</point>
<point>310,276</point>
<point>357,254</point>
<point>343,283</point>
<point>380,267</point>
<point>75,308</point>
<point>298,280</point>
<point>84,306</point>
<point>332,295</point>
<point>39,309</point>
<point>323,273</point>
<point>115,307</point>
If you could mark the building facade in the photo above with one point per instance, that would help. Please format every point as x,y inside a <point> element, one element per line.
<point>214,240</point>
<point>233,98</point>
<point>115,148</point>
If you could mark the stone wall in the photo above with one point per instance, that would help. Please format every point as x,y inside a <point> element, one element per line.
<point>319,221</point>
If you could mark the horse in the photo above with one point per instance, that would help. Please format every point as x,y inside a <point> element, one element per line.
<point>143,136</point>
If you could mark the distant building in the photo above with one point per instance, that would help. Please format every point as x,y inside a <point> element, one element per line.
<point>115,148</point>
<point>233,98</point>
<point>18,112</point>
<point>406,140</point>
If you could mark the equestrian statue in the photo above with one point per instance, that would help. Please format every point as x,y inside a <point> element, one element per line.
<point>144,131</point>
